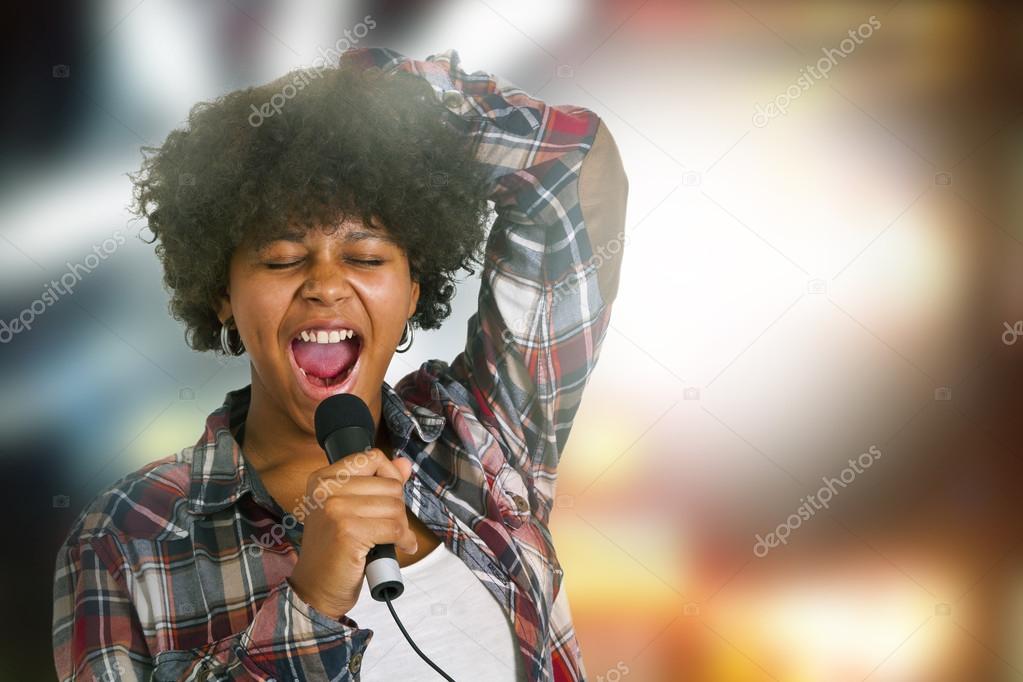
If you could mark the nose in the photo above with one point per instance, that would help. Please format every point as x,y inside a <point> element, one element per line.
<point>327,282</point>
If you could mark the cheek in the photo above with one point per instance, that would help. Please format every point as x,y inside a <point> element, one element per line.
<point>386,301</point>
<point>261,306</point>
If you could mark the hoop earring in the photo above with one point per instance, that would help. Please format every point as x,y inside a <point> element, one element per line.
<point>407,333</point>
<point>227,345</point>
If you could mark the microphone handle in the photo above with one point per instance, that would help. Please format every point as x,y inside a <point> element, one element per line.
<point>382,571</point>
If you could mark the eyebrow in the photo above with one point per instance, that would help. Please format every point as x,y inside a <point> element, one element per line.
<point>351,236</point>
<point>361,235</point>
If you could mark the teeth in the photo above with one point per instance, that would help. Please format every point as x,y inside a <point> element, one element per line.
<point>325,336</point>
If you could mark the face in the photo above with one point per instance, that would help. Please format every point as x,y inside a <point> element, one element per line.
<point>322,281</point>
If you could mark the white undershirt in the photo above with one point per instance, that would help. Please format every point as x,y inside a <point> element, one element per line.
<point>451,617</point>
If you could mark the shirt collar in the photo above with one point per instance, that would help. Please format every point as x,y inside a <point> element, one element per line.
<point>404,416</point>
<point>219,476</point>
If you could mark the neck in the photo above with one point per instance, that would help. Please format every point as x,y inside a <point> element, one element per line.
<point>273,441</point>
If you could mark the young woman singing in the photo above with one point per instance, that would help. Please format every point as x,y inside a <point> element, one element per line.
<point>312,223</point>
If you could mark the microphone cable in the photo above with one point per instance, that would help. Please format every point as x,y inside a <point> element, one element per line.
<point>423,656</point>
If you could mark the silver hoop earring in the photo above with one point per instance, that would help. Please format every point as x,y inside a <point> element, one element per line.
<point>407,333</point>
<point>226,343</point>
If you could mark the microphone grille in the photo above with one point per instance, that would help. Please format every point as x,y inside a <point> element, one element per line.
<point>340,411</point>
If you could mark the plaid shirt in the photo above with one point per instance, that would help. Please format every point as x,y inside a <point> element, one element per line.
<point>172,572</point>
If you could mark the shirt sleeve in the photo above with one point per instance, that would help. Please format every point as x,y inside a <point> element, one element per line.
<point>98,635</point>
<point>552,258</point>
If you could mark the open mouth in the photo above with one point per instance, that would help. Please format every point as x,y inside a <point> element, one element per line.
<point>326,358</point>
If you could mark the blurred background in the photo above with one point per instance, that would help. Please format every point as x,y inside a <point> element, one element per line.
<point>824,259</point>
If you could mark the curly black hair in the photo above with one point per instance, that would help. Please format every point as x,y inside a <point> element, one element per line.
<point>340,142</point>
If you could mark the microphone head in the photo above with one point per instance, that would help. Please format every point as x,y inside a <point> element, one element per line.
<point>340,411</point>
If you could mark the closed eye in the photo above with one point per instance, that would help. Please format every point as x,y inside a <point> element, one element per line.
<point>367,261</point>
<point>281,266</point>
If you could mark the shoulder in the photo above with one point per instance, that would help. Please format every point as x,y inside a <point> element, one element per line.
<point>448,392</point>
<point>147,504</point>
<point>437,386</point>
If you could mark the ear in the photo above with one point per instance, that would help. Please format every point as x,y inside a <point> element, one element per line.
<point>224,309</point>
<point>414,300</point>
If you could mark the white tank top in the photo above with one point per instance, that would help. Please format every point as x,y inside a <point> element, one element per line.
<point>451,617</point>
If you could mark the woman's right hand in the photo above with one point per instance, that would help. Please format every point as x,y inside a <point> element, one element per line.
<point>357,503</point>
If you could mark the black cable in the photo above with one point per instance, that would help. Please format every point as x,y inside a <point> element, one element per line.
<point>421,654</point>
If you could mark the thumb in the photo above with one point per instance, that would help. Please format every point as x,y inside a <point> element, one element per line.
<point>404,467</point>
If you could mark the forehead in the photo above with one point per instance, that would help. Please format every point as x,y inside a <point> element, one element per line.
<point>350,231</point>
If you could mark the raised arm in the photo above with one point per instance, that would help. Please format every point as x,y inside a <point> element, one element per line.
<point>552,258</point>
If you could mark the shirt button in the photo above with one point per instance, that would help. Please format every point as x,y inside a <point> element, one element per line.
<point>453,99</point>
<point>520,502</point>
<point>355,663</point>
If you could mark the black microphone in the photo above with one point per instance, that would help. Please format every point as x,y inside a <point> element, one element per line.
<point>344,426</point>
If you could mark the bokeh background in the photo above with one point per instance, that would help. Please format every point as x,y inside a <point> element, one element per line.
<point>797,289</point>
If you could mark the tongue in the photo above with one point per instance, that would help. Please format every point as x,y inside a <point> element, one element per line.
<point>325,360</point>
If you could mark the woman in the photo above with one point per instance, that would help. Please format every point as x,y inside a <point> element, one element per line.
<point>312,223</point>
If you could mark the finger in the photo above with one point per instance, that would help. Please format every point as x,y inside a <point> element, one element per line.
<point>371,462</point>
<point>386,467</point>
<point>389,532</point>
<point>379,507</point>
<point>320,489</point>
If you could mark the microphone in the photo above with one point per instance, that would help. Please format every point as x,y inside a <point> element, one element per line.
<point>344,426</point>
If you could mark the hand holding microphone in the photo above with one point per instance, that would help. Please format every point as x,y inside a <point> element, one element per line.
<point>364,508</point>
<point>354,532</point>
